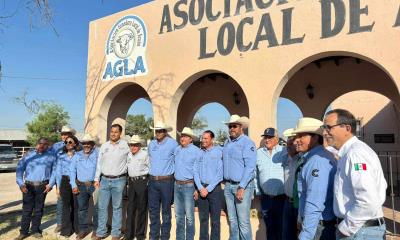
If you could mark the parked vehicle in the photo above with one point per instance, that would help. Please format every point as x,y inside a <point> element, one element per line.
<point>8,157</point>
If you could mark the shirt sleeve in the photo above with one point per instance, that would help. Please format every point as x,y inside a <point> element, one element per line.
<point>20,171</point>
<point>58,171</point>
<point>98,166</point>
<point>72,171</point>
<point>196,172</point>
<point>257,188</point>
<point>363,182</point>
<point>249,158</point>
<point>219,176</point>
<point>316,176</point>
<point>53,171</point>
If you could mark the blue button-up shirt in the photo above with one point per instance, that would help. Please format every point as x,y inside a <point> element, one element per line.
<point>36,167</point>
<point>270,174</point>
<point>57,147</point>
<point>239,156</point>
<point>162,157</point>
<point>209,168</point>
<point>315,187</point>
<point>63,167</point>
<point>83,167</point>
<point>185,157</point>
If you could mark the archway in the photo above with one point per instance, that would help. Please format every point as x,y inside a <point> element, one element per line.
<point>287,115</point>
<point>138,119</point>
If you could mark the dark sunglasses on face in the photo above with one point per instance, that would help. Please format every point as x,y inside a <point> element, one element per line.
<point>69,142</point>
<point>160,131</point>
<point>233,126</point>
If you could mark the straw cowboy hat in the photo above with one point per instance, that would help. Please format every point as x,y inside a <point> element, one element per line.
<point>244,121</point>
<point>188,132</point>
<point>67,129</point>
<point>308,125</point>
<point>160,126</point>
<point>289,133</point>
<point>135,139</point>
<point>87,138</point>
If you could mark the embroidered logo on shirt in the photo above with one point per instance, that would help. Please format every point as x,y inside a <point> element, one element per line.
<point>314,173</point>
<point>360,166</point>
<point>252,149</point>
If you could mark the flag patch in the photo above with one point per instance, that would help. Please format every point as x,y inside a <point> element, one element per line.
<point>360,166</point>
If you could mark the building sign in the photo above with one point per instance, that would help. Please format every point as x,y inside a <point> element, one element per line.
<point>126,49</point>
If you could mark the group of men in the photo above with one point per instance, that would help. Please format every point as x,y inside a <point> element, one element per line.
<point>307,190</point>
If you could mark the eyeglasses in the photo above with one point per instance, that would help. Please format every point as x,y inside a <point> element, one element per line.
<point>69,142</point>
<point>329,127</point>
<point>233,126</point>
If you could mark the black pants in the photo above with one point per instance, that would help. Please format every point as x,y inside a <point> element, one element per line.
<point>32,201</point>
<point>69,221</point>
<point>137,209</point>
<point>210,207</point>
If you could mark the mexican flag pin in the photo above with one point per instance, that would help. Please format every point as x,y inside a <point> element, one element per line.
<point>360,166</point>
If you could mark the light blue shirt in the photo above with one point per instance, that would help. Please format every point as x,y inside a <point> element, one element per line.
<point>162,157</point>
<point>209,168</point>
<point>185,157</point>
<point>83,167</point>
<point>36,167</point>
<point>63,167</point>
<point>315,187</point>
<point>239,157</point>
<point>270,172</point>
<point>57,147</point>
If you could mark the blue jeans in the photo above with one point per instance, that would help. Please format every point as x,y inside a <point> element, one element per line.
<point>110,188</point>
<point>239,211</point>
<point>367,233</point>
<point>59,210</point>
<point>85,192</point>
<point>272,211</point>
<point>184,211</point>
<point>32,209</point>
<point>289,227</point>
<point>160,192</point>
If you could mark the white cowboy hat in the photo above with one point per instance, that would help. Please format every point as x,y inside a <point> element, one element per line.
<point>289,133</point>
<point>244,121</point>
<point>188,132</point>
<point>135,139</point>
<point>87,138</point>
<point>161,125</point>
<point>67,129</point>
<point>308,125</point>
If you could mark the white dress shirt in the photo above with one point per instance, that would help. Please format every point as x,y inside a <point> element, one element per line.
<point>359,188</point>
<point>138,163</point>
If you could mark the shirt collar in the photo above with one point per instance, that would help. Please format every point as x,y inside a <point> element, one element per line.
<point>236,139</point>
<point>163,141</point>
<point>312,151</point>
<point>343,150</point>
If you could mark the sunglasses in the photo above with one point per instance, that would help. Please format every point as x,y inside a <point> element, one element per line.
<point>69,142</point>
<point>233,126</point>
<point>160,131</point>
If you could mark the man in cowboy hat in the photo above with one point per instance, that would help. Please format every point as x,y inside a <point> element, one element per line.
<point>110,178</point>
<point>208,174</point>
<point>138,171</point>
<point>270,180</point>
<point>289,218</point>
<point>360,186</point>
<point>82,172</point>
<point>314,182</point>
<point>184,191</point>
<point>161,184</point>
<point>239,158</point>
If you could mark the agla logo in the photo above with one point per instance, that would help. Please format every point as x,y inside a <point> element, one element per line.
<point>126,49</point>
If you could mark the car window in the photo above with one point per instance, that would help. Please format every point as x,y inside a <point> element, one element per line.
<point>6,150</point>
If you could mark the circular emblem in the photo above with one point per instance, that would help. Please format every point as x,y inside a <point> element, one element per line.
<point>124,42</point>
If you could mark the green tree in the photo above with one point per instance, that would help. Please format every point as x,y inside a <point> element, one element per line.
<point>221,136</point>
<point>199,123</point>
<point>47,123</point>
<point>139,124</point>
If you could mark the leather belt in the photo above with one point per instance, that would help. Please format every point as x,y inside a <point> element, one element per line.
<point>143,177</point>
<point>87,184</point>
<point>158,178</point>
<point>184,182</point>
<point>280,196</point>
<point>37,183</point>
<point>65,176</point>
<point>370,223</point>
<point>231,182</point>
<point>114,177</point>
<point>325,223</point>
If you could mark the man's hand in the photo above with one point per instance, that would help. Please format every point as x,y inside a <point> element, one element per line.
<point>75,190</point>
<point>96,184</point>
<point>23,189</point>
<point>204,192</point>
<point>240,194</point>
<point>47,189</point>
<point>195,195</point>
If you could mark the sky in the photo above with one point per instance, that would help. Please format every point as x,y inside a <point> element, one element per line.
<point>53,68</point>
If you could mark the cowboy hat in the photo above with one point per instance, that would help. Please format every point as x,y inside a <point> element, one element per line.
<point>188,132</point>
<point>308,125</point>
<point>87,138</point>
<point>160,126</point>
<point>244,121</point>
<point>288,133</point>
<point>135,139</point>
<point>67,129</point>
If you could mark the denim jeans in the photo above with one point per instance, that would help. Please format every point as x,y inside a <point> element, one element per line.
<point>289,226</point>
<point>184,211</point>
<point>239,211</point>
<point>110,189</point>
<point>367,233</point>
<point>210,207</point>
<point>32,203</point>
<point>85,192</point>
<point>272,211</point>
<point>59,211</point>
<point>160,192</point>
